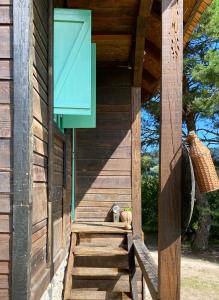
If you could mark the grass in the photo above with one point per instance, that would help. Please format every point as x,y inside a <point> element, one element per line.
<point>197,283</point>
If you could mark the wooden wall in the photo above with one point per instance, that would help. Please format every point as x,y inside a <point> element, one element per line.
<point>61,206</point>
<point>40,135</point>
<point>6,104</point>
<point>103,154</point>
<point>47,241</point>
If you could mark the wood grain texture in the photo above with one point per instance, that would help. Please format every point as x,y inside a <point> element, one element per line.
<point>22,145</point>
<point>5,121</point>
<point>5,92</point>
<point>50,136</point>
<point>144,12</point>
<point>103,172</point>
<point>136,160</point>
<point>6,104</point>
<point>6,40</point>
<point>147,266</point>
<point>132,268</point>
<point>5,14</point>
<point>170,151</point>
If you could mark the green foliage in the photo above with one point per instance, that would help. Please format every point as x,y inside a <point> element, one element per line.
<point>213,200</point>
<point>127,209</point>
<point>201,70</point>
<point>149,188</point>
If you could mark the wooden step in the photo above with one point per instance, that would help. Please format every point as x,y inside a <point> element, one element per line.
<point>120,284</point>
<point>99,227</point>
<point>99,251</point>
<point>98,295</point>
<point>118,261</point>
<point>102,239</point>
<point>98,272</point>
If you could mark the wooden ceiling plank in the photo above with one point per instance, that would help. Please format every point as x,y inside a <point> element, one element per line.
<point>112,47</point>
<point>144,12</point>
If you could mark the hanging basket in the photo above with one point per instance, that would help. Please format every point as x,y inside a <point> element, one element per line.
<point>205,173</point>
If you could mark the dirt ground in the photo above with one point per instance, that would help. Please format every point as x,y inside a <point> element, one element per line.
<point>199,274</point>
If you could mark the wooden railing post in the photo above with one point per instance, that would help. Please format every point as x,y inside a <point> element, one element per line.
<point>132,268</point>
<point>169,221</point>
<point>136,160</point>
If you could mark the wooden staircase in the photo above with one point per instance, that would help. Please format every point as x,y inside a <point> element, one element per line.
<point>98,264</point>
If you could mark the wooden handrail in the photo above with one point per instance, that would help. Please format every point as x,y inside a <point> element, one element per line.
<point>148,267</point>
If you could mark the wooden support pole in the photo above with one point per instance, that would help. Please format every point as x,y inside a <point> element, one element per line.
<point>136,161</point>
<point>22,149</point>
<point>169,220</point>
<point>132,268</point>
<point>50,140</point>
<point>144,12</point>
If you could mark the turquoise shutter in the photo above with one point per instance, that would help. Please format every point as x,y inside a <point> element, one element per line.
<point>69,121</point>
<point>72,62</point>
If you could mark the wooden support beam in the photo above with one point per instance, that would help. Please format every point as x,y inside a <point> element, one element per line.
<point>144,12</point>
<point>22,149</point>
<point>147,266</point>
<point>132,268</point>
<point>50,141</point>
<point>136,161</point>
<point>145,94</point>
<point>147,76</point>
<point>69,269</point>
<point>169,223</point>
<point>152,50</point>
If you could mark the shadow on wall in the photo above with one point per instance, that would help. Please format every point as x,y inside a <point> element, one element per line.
<point>103,154</point>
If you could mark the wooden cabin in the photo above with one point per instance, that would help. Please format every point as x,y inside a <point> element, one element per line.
<point>59,181</point>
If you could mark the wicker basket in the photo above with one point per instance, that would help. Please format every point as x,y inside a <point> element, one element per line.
<point>205,173</point>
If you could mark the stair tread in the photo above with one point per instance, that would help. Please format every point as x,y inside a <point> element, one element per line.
<point>97,295</point>
<point>99,227</point>
<point>102,272</point>
<point>99,251</point>
<point>120,284</point>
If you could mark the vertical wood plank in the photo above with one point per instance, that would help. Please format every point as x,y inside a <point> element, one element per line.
<point>169,223</point>
<point>132,268</point>
<point>22,149</point>
<point>136,161</point>
<point>144,11</point>
<point>50,141</point>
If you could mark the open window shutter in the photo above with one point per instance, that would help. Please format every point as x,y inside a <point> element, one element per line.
<point>72,62</point>
<point>84,121</point>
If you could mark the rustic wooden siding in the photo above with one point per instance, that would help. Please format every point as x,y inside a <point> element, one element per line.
<point>40,135</point>
<point>6,104</point>
<point>59,234</point>
<point>103,154</point>
<point>61,207</point>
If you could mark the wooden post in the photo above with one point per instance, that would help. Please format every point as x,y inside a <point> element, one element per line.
<point>169,220</point>
<point>136,161</point>
<point>22,149</point>
<point>145,7</point>
<point>132,268</point>
<point>50,140</point>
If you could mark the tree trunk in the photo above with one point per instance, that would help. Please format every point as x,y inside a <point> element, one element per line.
<point>204,222</point>
<point>190,121</point>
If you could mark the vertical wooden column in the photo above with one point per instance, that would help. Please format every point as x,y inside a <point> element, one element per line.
<point>145,7</point>
<point>136,161</point>
<point>169,223</point>
<point>22,149</point>
<point>50,139</point>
